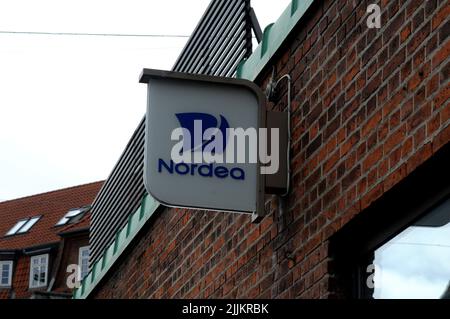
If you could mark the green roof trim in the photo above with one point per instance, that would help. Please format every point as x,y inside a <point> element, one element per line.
<point>273,37</point>
<point>123,238</point>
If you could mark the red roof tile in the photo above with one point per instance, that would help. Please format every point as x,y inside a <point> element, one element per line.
<point>52,206</point>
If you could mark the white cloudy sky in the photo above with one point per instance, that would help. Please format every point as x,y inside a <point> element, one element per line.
<point>69,104</point>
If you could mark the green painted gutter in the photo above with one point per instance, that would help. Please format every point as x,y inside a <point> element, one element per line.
<point>123,238</point>
<point>274,36</point>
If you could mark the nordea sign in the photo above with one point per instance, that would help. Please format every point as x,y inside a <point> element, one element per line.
<point>205,145</point>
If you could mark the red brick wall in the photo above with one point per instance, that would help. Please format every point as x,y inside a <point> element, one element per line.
<point>370,106</point>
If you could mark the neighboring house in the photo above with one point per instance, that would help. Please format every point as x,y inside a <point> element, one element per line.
<point>40,236</point>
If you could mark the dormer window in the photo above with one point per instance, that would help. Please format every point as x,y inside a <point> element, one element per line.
<point>71,215</point>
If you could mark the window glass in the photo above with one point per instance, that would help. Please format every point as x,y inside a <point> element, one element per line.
<point>28,225</point>
<point>38,271</point>
<point>23,226</point>
<point>416,263</point>
<point>84,262</point>
<point>5,273</point>
<point>16,227</point>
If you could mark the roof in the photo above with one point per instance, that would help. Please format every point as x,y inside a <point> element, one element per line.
<point>51,206</point>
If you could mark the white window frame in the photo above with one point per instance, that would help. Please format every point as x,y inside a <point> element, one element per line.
<point>39,285</point>
<point>80,258</point>
<point>10,263</point>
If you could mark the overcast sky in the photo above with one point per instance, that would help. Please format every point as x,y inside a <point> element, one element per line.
<point>69,104</point>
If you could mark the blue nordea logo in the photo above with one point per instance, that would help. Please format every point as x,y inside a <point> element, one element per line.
<point>197,140</point>
<point>206,170</point>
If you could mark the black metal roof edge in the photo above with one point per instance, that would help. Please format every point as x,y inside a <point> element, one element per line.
<point>45,248</point>
<point>74,232</point>
<point>6,252</point>
<point>148,74</point>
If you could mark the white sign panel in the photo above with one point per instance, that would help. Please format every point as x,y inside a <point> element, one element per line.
<point>193,156</point>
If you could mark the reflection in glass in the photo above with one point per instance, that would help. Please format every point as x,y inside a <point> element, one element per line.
<point>416,263</point>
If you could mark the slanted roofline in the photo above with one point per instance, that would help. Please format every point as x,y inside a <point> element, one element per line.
<point>50,192</point>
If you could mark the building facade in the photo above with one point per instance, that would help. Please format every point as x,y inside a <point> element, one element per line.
<point>369,159</point>
<point>41,236</point>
